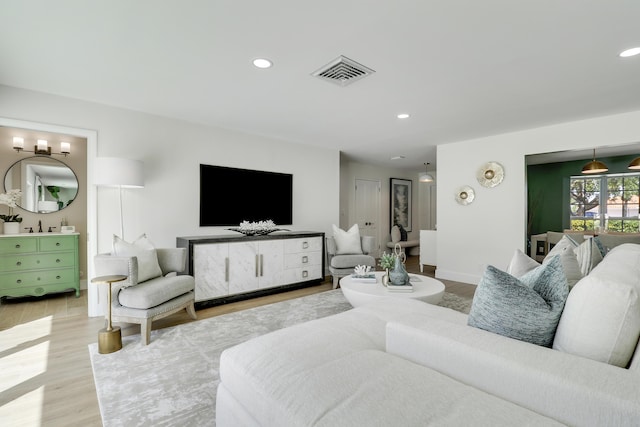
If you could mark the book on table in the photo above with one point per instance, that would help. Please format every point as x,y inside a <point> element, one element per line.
<point>367,278</point>
<point>399,288</point>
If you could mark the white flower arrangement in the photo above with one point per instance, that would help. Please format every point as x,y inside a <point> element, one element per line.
<point>260,227</point>
<point>10,198</point>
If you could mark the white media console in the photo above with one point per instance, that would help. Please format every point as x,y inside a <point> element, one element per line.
<point>228,267</point>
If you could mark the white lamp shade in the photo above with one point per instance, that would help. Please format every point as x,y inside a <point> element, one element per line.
<point>426,177</point>
<point>117,172</point>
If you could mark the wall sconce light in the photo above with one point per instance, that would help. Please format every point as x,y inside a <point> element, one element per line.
<point>41,147</point>
<point>594,166</point>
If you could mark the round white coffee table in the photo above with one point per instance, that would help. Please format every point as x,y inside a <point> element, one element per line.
<point>358,293</point>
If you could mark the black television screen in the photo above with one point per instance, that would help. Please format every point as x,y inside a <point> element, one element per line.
<point>229,196</point>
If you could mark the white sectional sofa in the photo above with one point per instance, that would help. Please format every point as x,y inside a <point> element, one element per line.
<point>403,362</point>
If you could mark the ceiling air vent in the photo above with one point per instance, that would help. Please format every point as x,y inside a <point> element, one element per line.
<point>342,71</point>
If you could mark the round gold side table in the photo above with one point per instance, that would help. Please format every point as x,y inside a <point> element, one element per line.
<point>109,338</point>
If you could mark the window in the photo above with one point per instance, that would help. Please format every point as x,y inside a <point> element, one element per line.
<point>605,202</point>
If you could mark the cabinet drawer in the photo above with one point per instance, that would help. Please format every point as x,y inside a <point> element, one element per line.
<point>302,259</point>
<point>57,243</point>
<point>33,278</point>
<point>312,272</point>
<point>17,245</point>
<point>309,244</point>
<point>38,289</point>
<point>37,261</point>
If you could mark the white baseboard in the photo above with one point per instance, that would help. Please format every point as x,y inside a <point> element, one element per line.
<point>471,279</point>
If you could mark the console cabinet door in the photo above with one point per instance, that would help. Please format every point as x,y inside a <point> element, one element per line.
<point>243,267</point>
<point>271,263</point>
<point>211,270</point>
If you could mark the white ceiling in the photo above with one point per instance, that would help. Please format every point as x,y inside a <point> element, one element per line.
<point>461,68</point>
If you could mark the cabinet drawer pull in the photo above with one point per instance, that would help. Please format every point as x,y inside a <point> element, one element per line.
<point>57,243</point>
<point>57,260</point>
<point>19,281</point>
<point>18,246</point>
<point>305,245</point>
<point>57,277</point>
<point>305,259</point>
<point>226,269</point>
<point>305,273</point>
<point>19,263</point>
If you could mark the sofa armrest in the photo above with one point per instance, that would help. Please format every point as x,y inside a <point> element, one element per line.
<point>106,265</point>
<point>172,259</point>
<point>571,389</point>
<point>368,244</point>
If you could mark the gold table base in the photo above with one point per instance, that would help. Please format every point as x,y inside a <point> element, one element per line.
<point>109,341</point>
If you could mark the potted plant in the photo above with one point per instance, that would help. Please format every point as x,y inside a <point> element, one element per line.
<point>387,261</point>
<point>11,221</point>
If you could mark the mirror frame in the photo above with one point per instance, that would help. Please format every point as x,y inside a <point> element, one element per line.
<point>4,183</point>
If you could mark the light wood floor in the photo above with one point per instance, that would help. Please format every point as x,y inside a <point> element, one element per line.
<point>45,370</point>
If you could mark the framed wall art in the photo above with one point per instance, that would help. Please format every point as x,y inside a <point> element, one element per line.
<point>401,202</point>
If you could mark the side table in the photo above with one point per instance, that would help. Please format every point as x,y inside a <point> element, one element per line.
<point>109,338</point>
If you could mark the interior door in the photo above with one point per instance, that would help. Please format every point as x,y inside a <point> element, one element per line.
<point>367,209</point>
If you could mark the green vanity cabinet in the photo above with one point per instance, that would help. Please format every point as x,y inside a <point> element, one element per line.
<point>38,264</point>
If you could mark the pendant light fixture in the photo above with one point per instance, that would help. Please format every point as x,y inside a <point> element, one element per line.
<point>594,166</point>
<point>635,164</point>
<point>426,176</point>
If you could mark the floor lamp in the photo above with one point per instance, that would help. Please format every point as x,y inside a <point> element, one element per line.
<point>120,173</point>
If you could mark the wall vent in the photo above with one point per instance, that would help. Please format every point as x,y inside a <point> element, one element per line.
<point>342,71</point>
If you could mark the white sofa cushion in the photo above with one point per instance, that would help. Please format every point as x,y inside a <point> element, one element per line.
<point>573,390</point>
<point>155,291</point>
<point>526,308</point>
<point>521,264</point>
<point>371,388</point>
<point>144,250</point>
<point>601,319</point>
<point>347,242</point>
<point>565,249</point>
<point>588,256</point>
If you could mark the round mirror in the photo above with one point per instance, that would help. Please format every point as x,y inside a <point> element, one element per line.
<point>47,184</point>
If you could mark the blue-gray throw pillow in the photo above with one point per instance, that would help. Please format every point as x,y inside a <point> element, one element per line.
<point>526,308</point>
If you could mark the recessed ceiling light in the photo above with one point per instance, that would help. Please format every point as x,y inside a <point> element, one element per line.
<point>630,52</point>
<point>397,158</point>
<point>403,116</point>
<point>262,63</point>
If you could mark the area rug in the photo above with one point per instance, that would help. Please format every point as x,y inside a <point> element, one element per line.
<point>173,380</point>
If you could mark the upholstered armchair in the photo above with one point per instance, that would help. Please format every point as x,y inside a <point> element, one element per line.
<point>142,302</point>
<point>341,265</point>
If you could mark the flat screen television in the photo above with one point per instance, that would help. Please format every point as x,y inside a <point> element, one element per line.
<point>229,196</point>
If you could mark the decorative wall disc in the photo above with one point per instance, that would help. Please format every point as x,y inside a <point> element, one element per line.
<point>465,195</point>
<point>490,174</point>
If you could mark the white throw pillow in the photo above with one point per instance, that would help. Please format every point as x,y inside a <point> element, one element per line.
<point>564,248</point>
<point>347,242</point>
<point>588,256</point>
<point>395,234</point>
<point>600,321</point>
<point>521,264</point>
<point>143,249</point>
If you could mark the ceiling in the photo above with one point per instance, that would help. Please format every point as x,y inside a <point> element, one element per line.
<point>461,68</point>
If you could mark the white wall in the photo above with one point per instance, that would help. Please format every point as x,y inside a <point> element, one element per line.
<point>167,207</point>
<point>490,229</point>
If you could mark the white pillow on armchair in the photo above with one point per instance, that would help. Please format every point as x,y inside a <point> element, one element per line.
<point>347,242</point>
<point>143,249</point>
